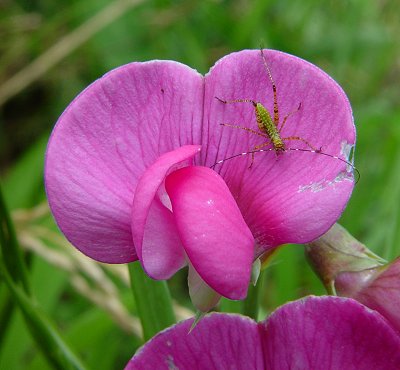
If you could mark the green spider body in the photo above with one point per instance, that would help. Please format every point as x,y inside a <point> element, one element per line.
<point>267,126</point>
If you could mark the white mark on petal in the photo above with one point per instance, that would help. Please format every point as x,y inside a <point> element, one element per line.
<point>321,185</point>
<point>164,197</point>
<point>347,151</point>
<point>171,363</point>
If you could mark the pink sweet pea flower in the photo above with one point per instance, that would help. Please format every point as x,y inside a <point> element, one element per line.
<point>315,333</point>
<point>127,174</point>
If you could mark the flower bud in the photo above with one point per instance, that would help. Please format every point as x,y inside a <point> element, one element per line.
<point>337,252</point>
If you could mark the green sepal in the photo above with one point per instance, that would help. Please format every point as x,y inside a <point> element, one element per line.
<point>197,318</point>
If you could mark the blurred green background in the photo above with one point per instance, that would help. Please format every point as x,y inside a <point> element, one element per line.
<point>51,50</point>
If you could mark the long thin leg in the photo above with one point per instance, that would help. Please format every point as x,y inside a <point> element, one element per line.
<point>276,109</point>
<point>246,129</point>
<point>303,140</point>
<point>236,101</point>
<point>287,116</point>
<point>257,147</point>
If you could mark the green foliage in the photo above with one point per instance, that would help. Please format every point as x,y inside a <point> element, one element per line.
<point>355,41</point>
<point>153,302</point>
<point>14,276</point>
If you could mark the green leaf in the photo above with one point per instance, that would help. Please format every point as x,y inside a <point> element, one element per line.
<point>153,302</point>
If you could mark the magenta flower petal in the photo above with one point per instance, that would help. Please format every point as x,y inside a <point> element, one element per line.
<point>162,253</point>
<point>153,227</point>
<point>315,333</point>
<point>219,341</point>
<point>294,197</point>
<point>216,239</point>
<point>106,139</point>
<point>329,333</point>
<point>380,292</point>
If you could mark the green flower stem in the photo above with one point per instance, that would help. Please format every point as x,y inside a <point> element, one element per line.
<point>153,301</point>
<point>252,302</point>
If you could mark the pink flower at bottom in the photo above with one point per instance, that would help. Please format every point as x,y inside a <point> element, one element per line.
<point>127,166</point>
<point>314,333</point>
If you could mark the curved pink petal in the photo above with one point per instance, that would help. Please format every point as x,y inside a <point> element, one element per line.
<point>329,333</point>
<point>381,291</point>
<point>216,239</point>
<point>154,233</point>
<point>296,196</point>
<point>219,341</point>
<point>106,139</point>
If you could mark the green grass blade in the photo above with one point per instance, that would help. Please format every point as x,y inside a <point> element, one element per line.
<point>6,311</point>
<point>153,301</point>
<point>391,197</point>
<point>11,252</point>
<point>46,336</point>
